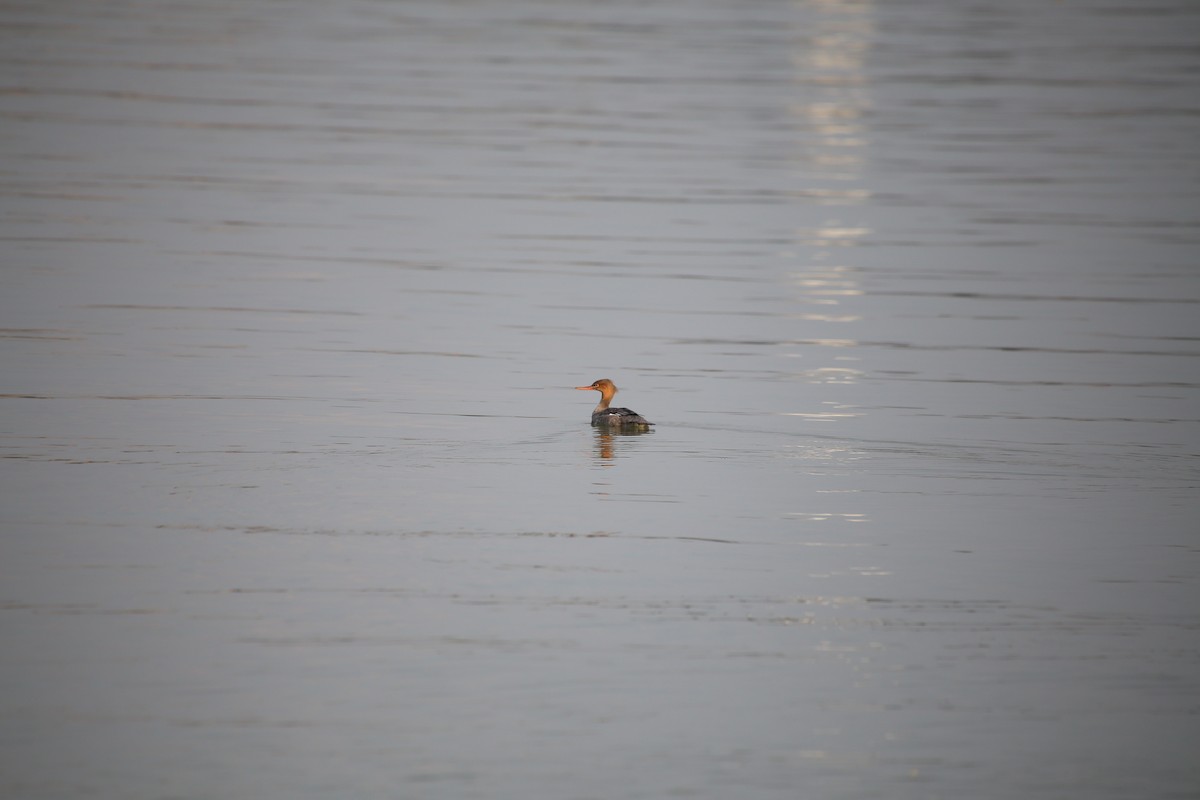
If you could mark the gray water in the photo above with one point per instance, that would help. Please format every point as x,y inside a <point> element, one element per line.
<point>298,501</point>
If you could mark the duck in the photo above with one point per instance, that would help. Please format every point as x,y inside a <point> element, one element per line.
<point>604,416</point>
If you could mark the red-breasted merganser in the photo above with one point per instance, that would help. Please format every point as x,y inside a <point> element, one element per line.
<point>613,417</point>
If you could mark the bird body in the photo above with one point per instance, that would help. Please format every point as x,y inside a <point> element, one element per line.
<point>604,416</point>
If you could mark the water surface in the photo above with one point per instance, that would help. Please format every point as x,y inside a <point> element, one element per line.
<point>298,500</point>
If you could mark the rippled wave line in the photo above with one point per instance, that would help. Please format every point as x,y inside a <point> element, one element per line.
<point>1034,298</point>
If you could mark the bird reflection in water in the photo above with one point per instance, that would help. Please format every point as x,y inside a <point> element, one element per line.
<point>608,442</point>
